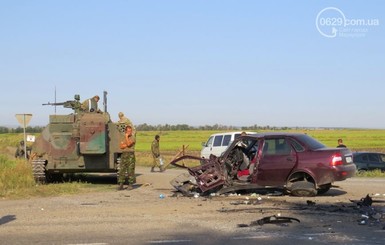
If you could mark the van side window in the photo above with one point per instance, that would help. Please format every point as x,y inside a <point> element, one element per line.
<point>226,140</point>
<point>218,140</point>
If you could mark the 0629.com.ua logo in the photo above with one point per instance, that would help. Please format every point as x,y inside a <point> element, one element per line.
<point>331,22</point>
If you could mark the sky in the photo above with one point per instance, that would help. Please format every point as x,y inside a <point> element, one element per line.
<point>239,63</point>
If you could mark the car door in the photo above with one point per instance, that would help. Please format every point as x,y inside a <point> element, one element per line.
<point>277,161</point>
<point>375,162</point>
<point>207,147</point>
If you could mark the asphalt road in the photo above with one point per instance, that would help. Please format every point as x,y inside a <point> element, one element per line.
<point>141,216</point>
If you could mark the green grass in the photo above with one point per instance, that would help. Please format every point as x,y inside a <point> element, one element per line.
<point>371,174</point>
<point>16,180</point>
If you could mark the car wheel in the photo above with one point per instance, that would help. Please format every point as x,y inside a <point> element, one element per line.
<point>303,189</point>
<point>361,171</point>
<point>324,188</point>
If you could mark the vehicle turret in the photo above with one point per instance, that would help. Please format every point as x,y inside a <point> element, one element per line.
<point>73,104</point>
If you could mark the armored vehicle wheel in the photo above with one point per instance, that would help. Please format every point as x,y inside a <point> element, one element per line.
<point>54,177</point>
<point>38,169</point>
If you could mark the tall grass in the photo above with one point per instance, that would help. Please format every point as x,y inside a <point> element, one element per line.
<point>15,175</point>
<point>16,181</point>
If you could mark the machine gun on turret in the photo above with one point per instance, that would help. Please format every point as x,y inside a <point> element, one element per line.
<point>73,104</point>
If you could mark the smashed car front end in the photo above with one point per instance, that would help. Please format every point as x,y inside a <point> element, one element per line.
<point>210,175</point>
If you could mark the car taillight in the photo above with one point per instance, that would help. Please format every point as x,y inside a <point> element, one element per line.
<point>336,160</point>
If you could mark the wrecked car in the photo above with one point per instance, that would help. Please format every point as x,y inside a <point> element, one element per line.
<point>294,162</point>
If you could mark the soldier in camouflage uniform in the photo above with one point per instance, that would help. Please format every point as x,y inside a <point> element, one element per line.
<point>157,160</point>
<point>127,162</point>
<point>91,104</point>
<point>123,119</point>
<point>20,150</point>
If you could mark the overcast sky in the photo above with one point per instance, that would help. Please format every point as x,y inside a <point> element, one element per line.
<point>277,63</point>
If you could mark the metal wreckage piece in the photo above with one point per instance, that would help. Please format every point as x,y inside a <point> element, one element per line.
<point>364,202</point>
<point>271,220</point>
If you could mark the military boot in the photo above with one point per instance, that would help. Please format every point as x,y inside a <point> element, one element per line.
<point>120,187</point>
<point>152,169</point>
<point>130,187</point>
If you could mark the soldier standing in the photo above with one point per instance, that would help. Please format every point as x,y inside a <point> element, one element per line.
<point>340,144</point>
<point>127,162</point>
<point>20,150</point>
<point>156,154</point>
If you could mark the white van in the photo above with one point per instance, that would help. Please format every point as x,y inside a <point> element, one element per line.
<point>217,143</point>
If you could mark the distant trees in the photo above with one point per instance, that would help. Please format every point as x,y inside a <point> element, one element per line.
<point>6,130</point>
<point>185,127</point>
<point>161,127</point>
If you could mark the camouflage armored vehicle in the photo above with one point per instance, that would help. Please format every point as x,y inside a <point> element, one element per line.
<point>83,141</point>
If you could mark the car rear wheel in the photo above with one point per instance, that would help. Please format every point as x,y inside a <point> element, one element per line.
<point>324,188</point>
<point>361,171</point>
<point>303,189</point>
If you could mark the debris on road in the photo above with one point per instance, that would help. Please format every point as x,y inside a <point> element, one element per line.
<point>275,219</point>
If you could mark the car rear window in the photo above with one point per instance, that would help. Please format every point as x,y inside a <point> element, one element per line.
<point>313,144</point>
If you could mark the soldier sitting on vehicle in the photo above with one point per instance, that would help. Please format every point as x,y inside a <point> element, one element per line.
<point>91,104</point>
<point>123,122</point>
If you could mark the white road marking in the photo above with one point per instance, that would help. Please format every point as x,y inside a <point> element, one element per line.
<point>168,241</point>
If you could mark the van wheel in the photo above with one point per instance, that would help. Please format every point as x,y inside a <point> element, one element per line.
<point>303,189</point>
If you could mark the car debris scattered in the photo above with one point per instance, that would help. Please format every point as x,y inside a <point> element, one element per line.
<point>310,203</point>
<point>364,202</point>
<point>290,163</point>
<point>274,219</point>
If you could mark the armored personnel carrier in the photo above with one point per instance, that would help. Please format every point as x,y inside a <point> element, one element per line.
<point>82,141</point>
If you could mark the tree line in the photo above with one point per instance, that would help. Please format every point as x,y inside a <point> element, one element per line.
<point>160,127</point>
<point>6,130</point>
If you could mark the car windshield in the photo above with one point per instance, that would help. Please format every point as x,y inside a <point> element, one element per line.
<point>310,142</point>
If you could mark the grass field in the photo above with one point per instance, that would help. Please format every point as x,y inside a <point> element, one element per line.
<point>171,142</point>
<point>16,180</point>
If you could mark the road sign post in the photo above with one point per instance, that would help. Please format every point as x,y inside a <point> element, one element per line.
<point>24,119</point>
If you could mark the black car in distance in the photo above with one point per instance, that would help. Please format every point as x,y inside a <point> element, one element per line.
<point>369,161</point>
